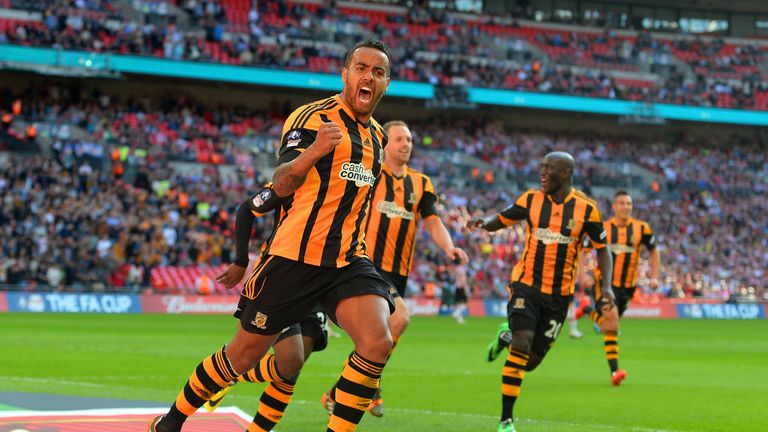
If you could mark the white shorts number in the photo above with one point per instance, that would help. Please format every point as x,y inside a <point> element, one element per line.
<point>554,329</point>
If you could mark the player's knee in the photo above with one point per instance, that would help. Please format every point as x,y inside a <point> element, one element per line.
<point>383,347</point>
<point>375,349</point>
<point>611,320</point>
<point>612,326</point>
<point>533,362</point>
<point>290,366</point>
<point>521,341</point>
<point>400,321</point>
<point>406,319</point>
<point>243,357</point>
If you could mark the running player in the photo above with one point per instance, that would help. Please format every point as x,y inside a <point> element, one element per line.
<point>558,218</point>
<point>402,197</point>
<point>626,238</point>
<point>295,343</point>
<point>330,157</point>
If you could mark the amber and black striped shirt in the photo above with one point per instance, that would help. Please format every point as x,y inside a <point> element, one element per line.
<point>554,235</point>
<point>397,206</point>
<point>322,223</point>
<point>626,243</point>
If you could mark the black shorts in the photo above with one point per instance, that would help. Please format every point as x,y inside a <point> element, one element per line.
<point>623,296</point>
<point>544,314</point>
<point>313,325</point>
<point>460,295</point>
<point>287,290</point>
<point>396,281</point>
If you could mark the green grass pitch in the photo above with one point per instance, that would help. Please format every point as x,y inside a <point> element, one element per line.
<point>683,375</point>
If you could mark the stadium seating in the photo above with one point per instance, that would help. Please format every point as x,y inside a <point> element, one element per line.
<point>712,202</point>
<point>729,74</point>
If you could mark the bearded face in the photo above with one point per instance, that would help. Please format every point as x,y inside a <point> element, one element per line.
<point>366,79</point>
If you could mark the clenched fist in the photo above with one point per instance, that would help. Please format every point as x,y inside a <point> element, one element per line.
<point>328,137</point>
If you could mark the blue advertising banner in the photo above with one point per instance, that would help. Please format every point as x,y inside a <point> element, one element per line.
<point>73,303</point>
<point>196,70</point>
<point>721,311</point>
<point>100,62</point>
<point>614,107</point>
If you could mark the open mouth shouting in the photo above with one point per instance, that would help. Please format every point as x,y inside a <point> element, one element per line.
<point>365,94</point>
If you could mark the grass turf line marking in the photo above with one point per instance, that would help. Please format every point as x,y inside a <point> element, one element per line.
<point>567,424</point>
<point>114,411</point>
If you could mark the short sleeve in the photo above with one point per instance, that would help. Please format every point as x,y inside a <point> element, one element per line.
<point>595,229</point>
<point>516,212</point>
<point>648,239</point>
<point>294,142</point>
<point>384,139</point>
<point>428,199</point>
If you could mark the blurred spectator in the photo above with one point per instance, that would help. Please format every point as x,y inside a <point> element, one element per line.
<point>70,224</point>
<point>429,45</point>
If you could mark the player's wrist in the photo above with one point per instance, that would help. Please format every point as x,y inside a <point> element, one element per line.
<point>240,263</point>
<point>486,221</point>
<point>314,152</point>
<point>305,160</point>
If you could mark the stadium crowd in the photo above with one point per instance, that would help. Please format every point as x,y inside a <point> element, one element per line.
<point>710,220</point>
<point>708,213</point>
<point>171,127</point>
<point>431,46</point>
<point>84,228</point>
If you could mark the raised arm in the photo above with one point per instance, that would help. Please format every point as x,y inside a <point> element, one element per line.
<point>295,162</point>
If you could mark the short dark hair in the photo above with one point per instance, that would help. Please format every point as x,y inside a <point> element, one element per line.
<point>621,192</point>
<point>370,43</point>
<point>388,125</point>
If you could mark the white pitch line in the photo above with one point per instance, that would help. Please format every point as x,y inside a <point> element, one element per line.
<point>564,424</point>
<point>50,381</point>
<point>589,425</point>
<point>113,411</point>
<point>78,384</point>
<point>400,410</point>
